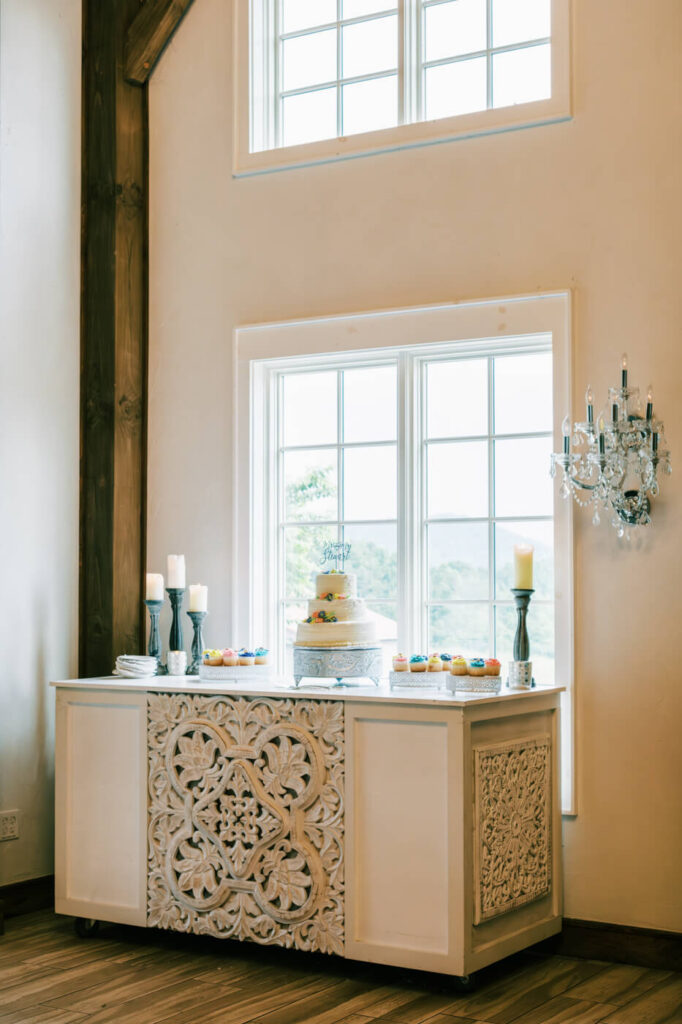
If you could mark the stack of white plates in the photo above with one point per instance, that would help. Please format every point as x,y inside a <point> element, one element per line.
<point>135,666</point>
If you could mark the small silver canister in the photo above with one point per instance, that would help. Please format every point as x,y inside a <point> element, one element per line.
<point>520,675</point>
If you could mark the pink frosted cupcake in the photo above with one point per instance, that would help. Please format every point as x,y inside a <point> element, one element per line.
<point>230,657</point>
<point>492,667</point>
<point>400,663</point>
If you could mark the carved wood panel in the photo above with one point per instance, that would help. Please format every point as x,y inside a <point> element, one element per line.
<point>512,825</point>
<point>246,819</point>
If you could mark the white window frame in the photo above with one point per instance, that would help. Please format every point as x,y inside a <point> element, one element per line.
<point>254,85</point>
<point>260,351</point>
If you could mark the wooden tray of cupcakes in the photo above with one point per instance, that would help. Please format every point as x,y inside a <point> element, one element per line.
<point>453,672</point>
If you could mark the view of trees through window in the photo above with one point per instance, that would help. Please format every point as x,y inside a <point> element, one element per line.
<point>481,445</point>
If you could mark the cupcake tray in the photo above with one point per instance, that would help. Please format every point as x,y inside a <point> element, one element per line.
<point>422,680</point>
<point>473,684</point>
<point>214,673</point>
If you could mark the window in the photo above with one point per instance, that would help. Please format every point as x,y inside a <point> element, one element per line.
<point>427,449</point>
<point>330,78</point>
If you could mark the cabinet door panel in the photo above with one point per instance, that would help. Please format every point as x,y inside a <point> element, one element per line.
<point>101,806</point>
<point>401,791</point>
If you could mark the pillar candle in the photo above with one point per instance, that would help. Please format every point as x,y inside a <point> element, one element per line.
<point>154,587</point>
<point>176,572</point>
<point>523,566</point>
<point>198,598</point>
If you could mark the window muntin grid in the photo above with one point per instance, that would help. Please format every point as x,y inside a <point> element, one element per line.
<point>337,87</point>
<point>494,606</point>
<point>489,68</point>
<point>498,610</point>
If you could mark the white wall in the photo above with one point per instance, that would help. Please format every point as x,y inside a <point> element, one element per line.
<point>592,205</point>
<point>40,51</point>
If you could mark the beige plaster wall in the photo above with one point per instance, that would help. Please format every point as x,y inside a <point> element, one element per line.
<point>592,205</point>
<point>40,51</point>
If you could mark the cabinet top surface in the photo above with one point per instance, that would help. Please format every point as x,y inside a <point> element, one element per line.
<point>279,686</point>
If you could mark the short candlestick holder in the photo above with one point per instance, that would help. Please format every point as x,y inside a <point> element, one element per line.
<point>521,668</point>
<point>154,647</point>
<point>197,642</point>
<point>176,595</point>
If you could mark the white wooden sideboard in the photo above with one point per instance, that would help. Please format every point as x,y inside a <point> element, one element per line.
<point>414,828</point>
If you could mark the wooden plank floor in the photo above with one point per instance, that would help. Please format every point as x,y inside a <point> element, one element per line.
<point>132,976</point>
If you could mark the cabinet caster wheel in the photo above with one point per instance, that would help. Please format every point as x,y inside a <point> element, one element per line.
<point>85,927</point>
<point>465,983</point>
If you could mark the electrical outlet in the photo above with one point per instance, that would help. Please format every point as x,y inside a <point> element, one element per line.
<point>9,825</point>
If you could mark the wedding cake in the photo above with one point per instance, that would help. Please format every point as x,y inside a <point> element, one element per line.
<point>337,617</point>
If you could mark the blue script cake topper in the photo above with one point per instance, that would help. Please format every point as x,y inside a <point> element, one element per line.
<point>335,551</point>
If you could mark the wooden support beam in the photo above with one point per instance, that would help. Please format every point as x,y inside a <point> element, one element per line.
<point>113,343</point>
<point>149,34</point>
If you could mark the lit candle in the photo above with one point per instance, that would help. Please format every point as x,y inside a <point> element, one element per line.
<point>176,572</point>
<point>523,566</point>
<point>154,587</point>
<point>566,431</point>
<point>198,598</point>
<point>624,370</point>
<point>589,400</point>
<point>649,403</point>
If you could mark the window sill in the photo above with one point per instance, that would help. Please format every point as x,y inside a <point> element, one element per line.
<point>408,136</point>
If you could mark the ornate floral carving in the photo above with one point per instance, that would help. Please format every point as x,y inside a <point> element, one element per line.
<point>512,815</point>
<point>246,818</point>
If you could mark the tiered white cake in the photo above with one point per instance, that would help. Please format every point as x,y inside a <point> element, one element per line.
<point>336,598</point>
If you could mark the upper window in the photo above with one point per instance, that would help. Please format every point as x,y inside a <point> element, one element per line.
<point>334,78</point>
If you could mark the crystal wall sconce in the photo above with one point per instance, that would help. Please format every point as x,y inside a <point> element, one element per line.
<point>612,465</point>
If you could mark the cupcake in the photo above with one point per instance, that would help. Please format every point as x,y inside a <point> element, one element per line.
<point>212,657</point>
<point>400,663</point>
<point>446,660</point>
<point>246,657</point>
<point>476,667</point>
<point>434,663</point>
<point>262,655</point>
<point>418,663</point>
<point>458,666</point>
<point>229,656</point>
<point>492,667</point>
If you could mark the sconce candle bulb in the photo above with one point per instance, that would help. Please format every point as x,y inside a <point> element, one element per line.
<point>614,469</point>
<point>589,401</point>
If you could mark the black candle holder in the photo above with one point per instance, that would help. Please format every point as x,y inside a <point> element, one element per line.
<point>197,642</point>
<point>176,595</point>
<point>521,643</point>
<point>154,647</point>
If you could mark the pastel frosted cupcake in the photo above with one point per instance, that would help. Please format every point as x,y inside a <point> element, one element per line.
<point>400,663</point>
<point>446,661</point>
<point>230,657</point>
<point>212,657</point>
<point>492,667</point>
<point>476,667</point>
<point>458,666</point>
<point>434,663</point>
<point>261,655</point>
<point>247,657</point>
<point>418,663</point>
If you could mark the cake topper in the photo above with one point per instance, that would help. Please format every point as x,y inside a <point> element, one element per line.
<point>335,551</point>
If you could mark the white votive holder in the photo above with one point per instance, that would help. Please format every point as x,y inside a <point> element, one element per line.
<point>177,663</point>
<point>520,675</point>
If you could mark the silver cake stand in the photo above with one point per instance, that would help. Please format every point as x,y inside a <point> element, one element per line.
<point>352,662</point>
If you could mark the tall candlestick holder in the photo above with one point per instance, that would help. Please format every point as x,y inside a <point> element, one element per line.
<point>154,647</point>
<point>521,668</point>
<point>197,642</point>
<point>177,596</point>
